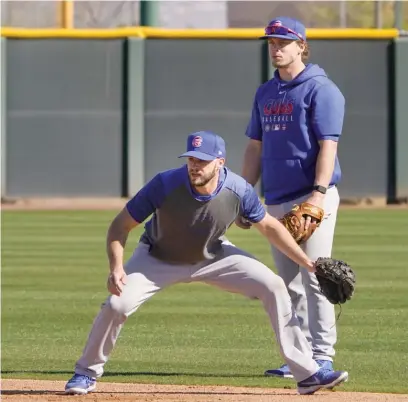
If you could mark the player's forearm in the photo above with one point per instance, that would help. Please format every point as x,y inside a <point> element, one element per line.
<point>118,233</point>
<point>115,245</point>
<point>252,162</point>
<point>325,162</point>
<point>282,239</point>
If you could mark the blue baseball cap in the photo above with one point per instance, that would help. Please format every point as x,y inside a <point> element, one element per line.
<point>285,28</point>
<point>205,145</point>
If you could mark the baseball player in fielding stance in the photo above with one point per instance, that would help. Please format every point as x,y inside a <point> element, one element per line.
<point>192,207</point>
<point>296,122</point>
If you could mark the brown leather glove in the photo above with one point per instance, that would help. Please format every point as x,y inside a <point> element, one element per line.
<point>295,220</point>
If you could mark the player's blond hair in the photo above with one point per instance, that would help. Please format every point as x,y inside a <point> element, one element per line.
<point>306,52</point>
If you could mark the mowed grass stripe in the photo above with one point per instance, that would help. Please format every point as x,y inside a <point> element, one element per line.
<point>54,274</point>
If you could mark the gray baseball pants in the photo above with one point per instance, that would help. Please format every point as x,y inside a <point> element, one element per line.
<point>315,313</point>
<point>233,270</point>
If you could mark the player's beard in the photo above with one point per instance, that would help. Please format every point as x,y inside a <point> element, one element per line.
<point>203,180</point>
<point>282,63</point>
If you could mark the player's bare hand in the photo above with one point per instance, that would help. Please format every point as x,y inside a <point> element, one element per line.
<point>311,266</point>
<point>243,223</point>
<point>317,199</point>
<point>116,281</point>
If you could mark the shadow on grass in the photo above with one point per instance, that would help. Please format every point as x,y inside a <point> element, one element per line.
<point>139,373</point>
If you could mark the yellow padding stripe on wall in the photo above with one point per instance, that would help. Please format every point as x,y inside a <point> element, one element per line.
<point>230,33</point>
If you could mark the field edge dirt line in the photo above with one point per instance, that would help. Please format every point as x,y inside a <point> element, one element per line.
<point>41,390</point>
<point>118,203</point>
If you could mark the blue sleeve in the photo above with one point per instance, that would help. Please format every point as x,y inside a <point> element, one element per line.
<point>328,113</point>
<point>254,128</point>
<point>252,208</point>
<point>147,200</point>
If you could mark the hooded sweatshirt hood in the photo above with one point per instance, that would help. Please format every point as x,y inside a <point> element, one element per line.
<point>311,71</point>
<point>290,118</point>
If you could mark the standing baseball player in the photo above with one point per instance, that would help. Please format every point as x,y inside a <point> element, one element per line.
<point>184,242</point>
<point>296,122</point>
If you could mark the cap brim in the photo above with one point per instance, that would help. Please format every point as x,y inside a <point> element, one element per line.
<point>198,155</point>
<point>294,37</point>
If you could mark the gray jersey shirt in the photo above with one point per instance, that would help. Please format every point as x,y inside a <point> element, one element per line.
<point>186,227</point>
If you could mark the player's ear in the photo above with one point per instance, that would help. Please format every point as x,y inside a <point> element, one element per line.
<point>221,162</point>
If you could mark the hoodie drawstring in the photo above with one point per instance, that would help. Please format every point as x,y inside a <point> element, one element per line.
<point>282,101</point>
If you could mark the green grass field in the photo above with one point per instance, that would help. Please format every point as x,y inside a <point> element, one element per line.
<point>54,271</point>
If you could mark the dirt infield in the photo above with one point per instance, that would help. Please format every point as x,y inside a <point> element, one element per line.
<point>35,204</point>
<point>35,390</point>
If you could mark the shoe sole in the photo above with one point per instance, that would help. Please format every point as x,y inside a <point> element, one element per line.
<point>314,388</point>
<point>278,375</point>
<point>79,391</point>
<point>290,375</point>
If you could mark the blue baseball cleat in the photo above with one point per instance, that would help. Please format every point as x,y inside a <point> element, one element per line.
<point>325,364</point>
<point>284,371</point>
<point>322,379</point>
<point>80,385</point>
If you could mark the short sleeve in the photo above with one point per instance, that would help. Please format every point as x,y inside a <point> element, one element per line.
<point>252,208</point>
<point>147,200</point>
<point>254,128</point>
<point>328,112</point>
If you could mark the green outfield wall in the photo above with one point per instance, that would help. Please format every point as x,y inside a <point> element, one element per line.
<point>98,113</point>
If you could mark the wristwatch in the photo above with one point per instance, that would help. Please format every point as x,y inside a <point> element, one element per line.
<point>320,189</point>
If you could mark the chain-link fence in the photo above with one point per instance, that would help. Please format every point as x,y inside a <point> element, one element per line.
<point>106,14</point>
<point>321,14</point>
<point>209,14</point>
<point>30,14</point>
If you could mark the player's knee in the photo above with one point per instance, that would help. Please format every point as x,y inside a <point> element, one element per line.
<point>276,285</point>
<point>280,284</point>
<point>118,306</point>
<point>270,285</point>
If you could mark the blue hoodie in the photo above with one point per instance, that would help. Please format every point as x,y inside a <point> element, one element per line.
<point>290,117</point>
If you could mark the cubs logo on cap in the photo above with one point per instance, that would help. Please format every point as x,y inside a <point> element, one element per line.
<point>205,145</point>
<point>197,141</point>
<point>285,28</point>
